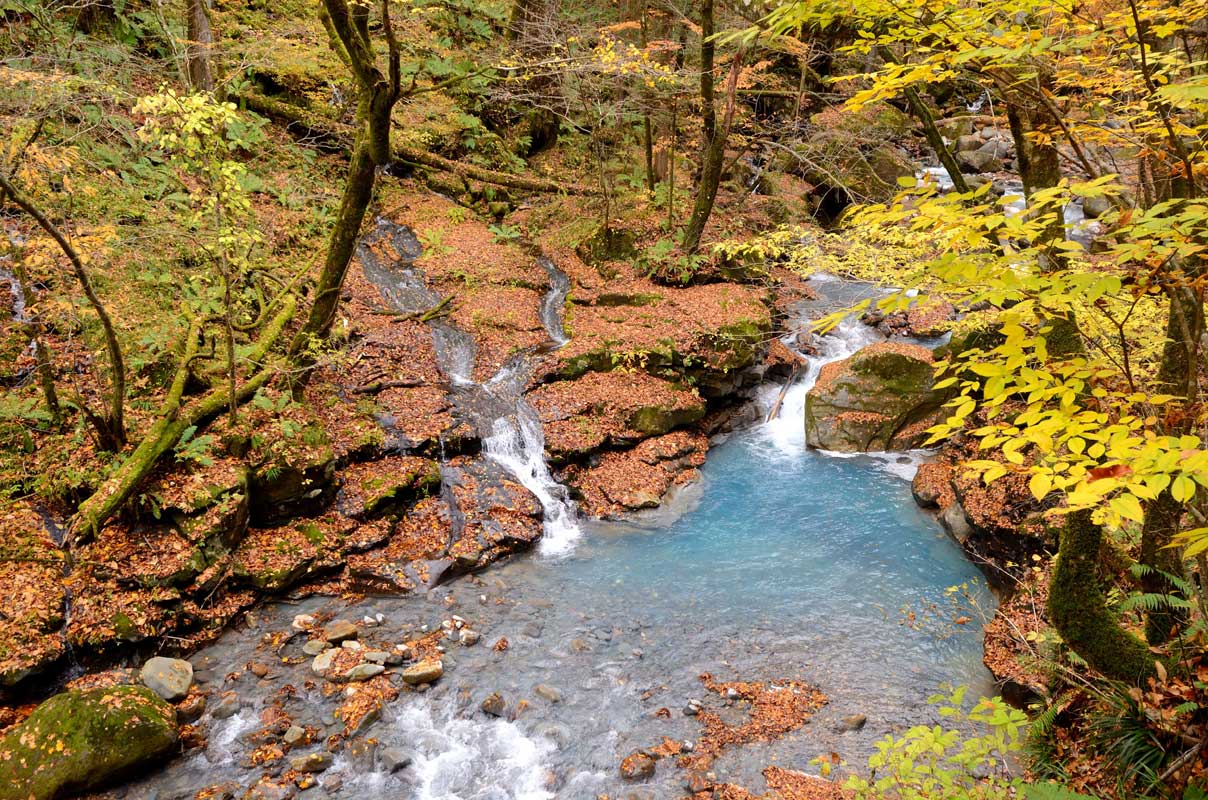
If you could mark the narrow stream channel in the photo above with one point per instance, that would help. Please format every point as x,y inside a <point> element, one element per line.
<point>782,563</point>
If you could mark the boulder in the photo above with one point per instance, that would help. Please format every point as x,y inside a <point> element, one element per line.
<point>880,398</point>
<point>967,143</point>
<point>170,678</point>
<point>974,161</point>
<point>78,740</point>
<point>1095,207</point>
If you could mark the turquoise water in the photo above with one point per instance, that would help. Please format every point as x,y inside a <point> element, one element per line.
<point>781,563</point>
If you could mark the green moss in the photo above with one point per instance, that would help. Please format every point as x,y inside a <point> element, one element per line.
<point>77,740</point>
<point>1078,609</point>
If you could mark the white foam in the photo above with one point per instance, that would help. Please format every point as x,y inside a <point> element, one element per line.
<point>465,759</point>
<point>785,433</point>
<point>518,445</point>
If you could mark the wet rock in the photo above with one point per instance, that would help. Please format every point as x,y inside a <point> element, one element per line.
<point>691,710</point>
<point>170,678</point>
<point>696,782</point>
<point>547,693</point>
<point>293,734</point>
<point>469,638</point>
<point>311,762</point>
<point>191,708</point>
<point>637,767</point>
<point>579,646</point>
<point>363,672</point>
<point>362,753</point>
<point>968,142</point>
<point>226,707</point>
<point>382,657</point>
<point>333,783</point>
<point>267,789</point>
<point>322,662</point>
<point>352,644</point>
<point>395,759</point>
<point>1095,207</point>
<point>258,669</point>
<point>880,398</point>
<point>315,646</point>
<point>95,735</point>
<point>339,631</point>
<point>976,161</point>
<point>852,722</point>
<point>424,672</point>
<point>303,622</point>
<point>494,705</point>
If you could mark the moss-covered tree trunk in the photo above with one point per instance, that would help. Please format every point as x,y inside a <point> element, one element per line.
<point>1178,374</point>
<point>1078,610</point>
<point>377,91</point>
<point>201,42</point>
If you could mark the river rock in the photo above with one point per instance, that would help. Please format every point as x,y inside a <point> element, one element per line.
<point>547,693</point>
<point>880,398</point>
<point>395,759</point>
<point>94,735</point>
<point>340,630</point>
<point>974,161</point>
<point>1095,207</point>
<point>424,672</point>
<point>469,638</point>
<point>637,767</point>
<point>170,678</point>
<point>191,708</point>
<point>315,646</point>
<point>852,722</point>
<point>363,672</point>
<point>382,657</point>
<point>293,734</point>
<point>968,142</point>
<point>303,622</point>
<point>227,706</point>
<point>311,762</point>
<point>494,705</point>
<point>322,662</point>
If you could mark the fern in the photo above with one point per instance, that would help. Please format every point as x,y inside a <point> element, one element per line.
<point>1182,584</point>
<point>1150,601</point>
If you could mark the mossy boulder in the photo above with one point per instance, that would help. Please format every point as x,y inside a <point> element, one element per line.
<point>80,740</point>
<point>392,484</point>
<point>295,474</point>
<point>881,398</point>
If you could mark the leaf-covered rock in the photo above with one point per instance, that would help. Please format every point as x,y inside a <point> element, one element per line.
<point>78,740</point>
<point>881,398</point>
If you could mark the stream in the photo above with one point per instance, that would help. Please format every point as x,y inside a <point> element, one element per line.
<point>781,563</point>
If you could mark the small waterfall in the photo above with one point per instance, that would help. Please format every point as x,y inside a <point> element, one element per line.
<point>786,432</point>
<point>518,445</point>
<point>553,301</point>
<point>510,429</point>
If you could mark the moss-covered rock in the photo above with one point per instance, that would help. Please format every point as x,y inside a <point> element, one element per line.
<point>377,488</point>
<point>79,740</point>
<point>295,474</point>
<point>881,398</point>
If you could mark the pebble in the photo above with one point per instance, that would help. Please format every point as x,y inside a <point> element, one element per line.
<point>382,657</point>
<point>732,694</point>
<point>637,766</point>
<point>469,638</point>
<point>293,735</point>
<point>852,722</point>
<point>303,622</point>
<point>259,669</point>
<point>363,672</point>
<point>395,759</point>
<point>547,693</point>
<point>314,647</point>
<point>333,783</point>
<point>370,622</point>
<point>311,762</point>
<point>352,644</point>
<point>494,705</point>
<point>579,646</point>
<point>339,631</point>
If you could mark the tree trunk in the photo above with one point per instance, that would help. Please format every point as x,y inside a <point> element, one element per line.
<point>1079,612</point>
<point>1178,374</point>
<point>201,43</point>
<point>533,30</point>
<point>112,431</point>
<point>710,174</point>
